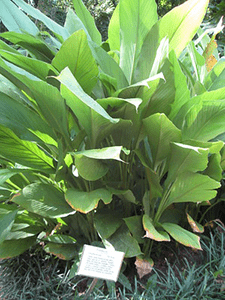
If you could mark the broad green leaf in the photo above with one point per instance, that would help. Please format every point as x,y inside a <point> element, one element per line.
<point>136,18</point>
<point>37,14</point>
<point>208,123</point>
<point>123,241</point>
<point>113,221</point>
<point>115,103</point>
<point>109,83</point>
<point>103,153</point>
<point>8,72</point>
<point>94,119</point>
<point>90,169</point>
<point>151,58</point>
<point>155,189</point>
<point>21,119</point>
<point>182,236</point>
<point>136,89</point>
<point>182,93</point>
<point>90,163</point>
<point>60,239</point>
<point>22,234</point>
<point>192,187</point>
<point>129,126</point>
<point>152,232</point>
<point>181,24</point>
<point>85,202</point>
<point>186,158</point>
<point>15,20</point>
<point>114,30</point>
<point>76,55</point>
<point>161,132</point>
<point>35,45</point>
<point>88,21</point>
<point>214,147</point>
<point>214,169</point>
<point>125,195</point>
<point>14,248</point>
<point>44,200</point>
<point>36,67</point>
<point>135,226</point>
<point>209,96</point>
<point>6,47</point>
<point>62,251</point>
<point>23,152</point>
<point>6,222</point>
<point>73,23</point>
<point>160,98</point>
<point>8,88</point>
<point>51,104</point>
<point>223,158</point>
<point>197,62</point>
<point>108,65</point>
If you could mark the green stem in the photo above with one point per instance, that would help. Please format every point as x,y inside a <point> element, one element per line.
<point>25,178</point>
<point>211,206</point>
<point>148,247</point>
<point>163,204</point>
<point>13,184</point>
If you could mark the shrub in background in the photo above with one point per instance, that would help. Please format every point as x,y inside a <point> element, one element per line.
<point>116,143</point>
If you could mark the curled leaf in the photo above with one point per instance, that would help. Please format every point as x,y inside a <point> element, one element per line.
<point>194,225</point>
<point>143,266</point>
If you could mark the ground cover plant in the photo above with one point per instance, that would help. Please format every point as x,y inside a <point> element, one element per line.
<point>194,276</point>
<point>118,143</point>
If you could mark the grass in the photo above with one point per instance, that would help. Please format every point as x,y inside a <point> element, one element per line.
<point>37,276</point>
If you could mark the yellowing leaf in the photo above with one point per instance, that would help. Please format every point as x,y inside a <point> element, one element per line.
<point>152,232</point>
<point>194,225</point>
<point>210,62</point>
<point>143,266</point>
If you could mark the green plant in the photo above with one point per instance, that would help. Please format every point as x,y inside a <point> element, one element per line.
<point>33,275</point>
<point>107,142</point>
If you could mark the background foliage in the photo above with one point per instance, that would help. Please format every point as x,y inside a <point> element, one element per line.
<point>102,11</point>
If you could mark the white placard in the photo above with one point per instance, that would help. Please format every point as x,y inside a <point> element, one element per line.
<point>100,263</point>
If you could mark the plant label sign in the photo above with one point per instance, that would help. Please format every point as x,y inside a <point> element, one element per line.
<point>100,263</point>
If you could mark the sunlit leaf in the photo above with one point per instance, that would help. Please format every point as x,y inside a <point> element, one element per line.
<point>88,21</point>
<point>136,19</point>
<point>76,55</point>
<point>23,152</point>
<point>15,20</point>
